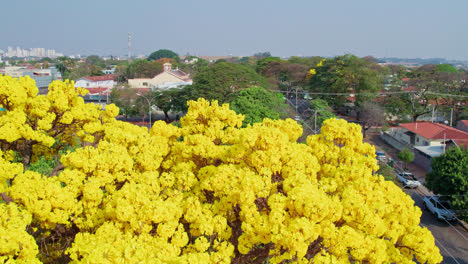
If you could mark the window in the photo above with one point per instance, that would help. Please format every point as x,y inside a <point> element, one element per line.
<point>145,84</point>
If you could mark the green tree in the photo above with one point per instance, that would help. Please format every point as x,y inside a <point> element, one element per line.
<point>64,65</point>
<point>424,86</point>
<point>96,60</point>
<point>220,81</point>
<point>257,103</point>
<point>449,177</point>
<point>446,68</point>
<point>163,53</point>
<point>346,74</point>
<point>319,112</point>
<point>170,100</point>
<point>125,99</point>
<point>144,69</point>
<point>85,69</point>
<point>406,155</point>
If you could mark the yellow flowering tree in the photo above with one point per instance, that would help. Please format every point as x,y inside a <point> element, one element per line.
<point>208,192</point>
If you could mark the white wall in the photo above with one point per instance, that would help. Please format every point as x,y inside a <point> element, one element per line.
<point>84,83</point>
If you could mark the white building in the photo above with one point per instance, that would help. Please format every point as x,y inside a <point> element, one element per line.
<point>101,85</point>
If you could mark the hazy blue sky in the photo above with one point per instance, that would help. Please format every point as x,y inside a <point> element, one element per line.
<point>396,28</point>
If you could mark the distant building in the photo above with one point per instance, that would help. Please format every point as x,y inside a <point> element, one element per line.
<point>43,77</point>
<point>169,78</point>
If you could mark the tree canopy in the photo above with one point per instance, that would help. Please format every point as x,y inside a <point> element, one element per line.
<point>220,81</point>
<point>449,178</point>
<point>346,74</point>
<point>257,103</point>
<point>163,53</point>
<point>207,192</point>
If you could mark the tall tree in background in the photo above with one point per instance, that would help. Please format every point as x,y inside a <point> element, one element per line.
<point>346,74</point>
<point>371,115</point>
<point>64,66</point>
<point>163,53</point>
<point>449,177</point>
<point>220,81</point>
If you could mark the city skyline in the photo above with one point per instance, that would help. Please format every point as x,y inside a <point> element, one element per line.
<point>416,29</point>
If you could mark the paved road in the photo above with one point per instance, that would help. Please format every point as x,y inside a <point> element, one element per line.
<point>451,238</point>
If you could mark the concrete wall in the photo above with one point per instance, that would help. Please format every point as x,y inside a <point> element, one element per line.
<point>424,161</point>
<point>84,83</point>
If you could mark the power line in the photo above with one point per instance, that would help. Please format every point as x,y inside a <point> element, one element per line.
<point>441,245</point>
<point>376,94</point>
<point>422,198</point>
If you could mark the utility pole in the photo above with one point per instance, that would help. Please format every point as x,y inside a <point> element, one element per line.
<point>129,47</point>
<point>296,100</point>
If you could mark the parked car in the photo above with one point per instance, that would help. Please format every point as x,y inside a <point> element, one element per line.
<point>439,208</point>
<point>408,180</point>
<point>381,155</point>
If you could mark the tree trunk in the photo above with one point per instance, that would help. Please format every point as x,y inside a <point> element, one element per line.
<point>166,117</point>
<point>27,153</point>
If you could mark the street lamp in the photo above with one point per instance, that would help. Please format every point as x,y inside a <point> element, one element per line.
<point>149,107</point>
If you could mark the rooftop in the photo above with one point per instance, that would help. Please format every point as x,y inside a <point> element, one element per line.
<point>435,130</point>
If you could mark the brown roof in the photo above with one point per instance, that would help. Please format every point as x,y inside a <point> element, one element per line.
<point>435,130</point>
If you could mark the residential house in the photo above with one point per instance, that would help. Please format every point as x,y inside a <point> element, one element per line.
<point>99,87</point>
<point>169,78</point>
<point>426,139</point>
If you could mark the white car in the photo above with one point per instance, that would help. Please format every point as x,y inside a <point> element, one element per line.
<point>408,180</point>
<point>439,208</point>
<point>380,155</point>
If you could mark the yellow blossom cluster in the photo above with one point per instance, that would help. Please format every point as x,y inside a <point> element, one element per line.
<point>213,192</point>
<point>16,245</point>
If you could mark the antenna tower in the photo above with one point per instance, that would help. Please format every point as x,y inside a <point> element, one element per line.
<point>129,47</point>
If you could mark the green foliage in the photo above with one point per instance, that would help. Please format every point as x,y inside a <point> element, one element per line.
<point>260,55</point>
<point>264,61</point>
<point>85,69</point>
<point>138,69</point>
<point>387,172</point>
<point>220,81</point>
<point>449,177</point>
<point>310,62</point>
<point>170,100</point>
<point>163,53</point>
<point>446,68</point>
<point>96,60</point>
<point>257,103</point>
<point>125,99</point>
<point>347,74</point>
<point>43,166</point>
<point>64,66</point>
<point>324,113</point>
<point>406,155</point>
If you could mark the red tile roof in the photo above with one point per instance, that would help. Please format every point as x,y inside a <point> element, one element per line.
<point>106,77</point>
<point>435,130</point>
<point>461,142</point>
